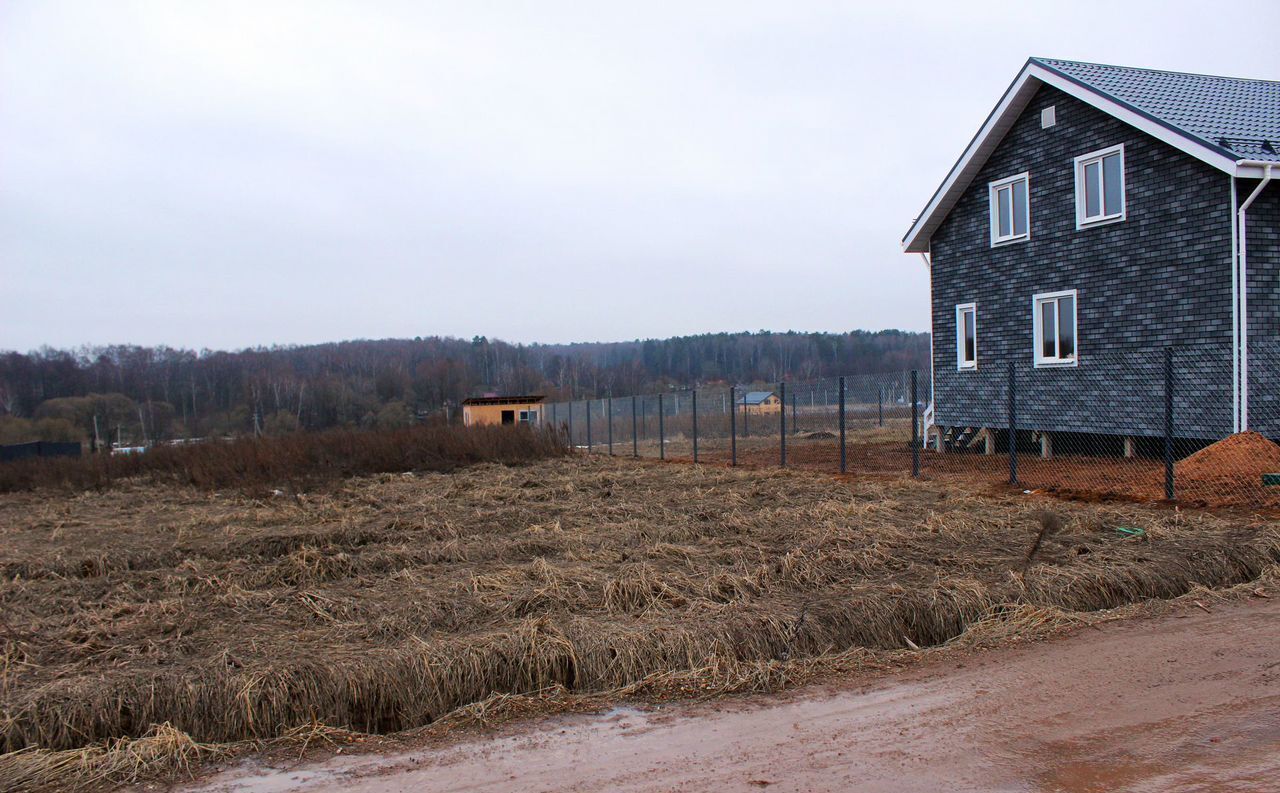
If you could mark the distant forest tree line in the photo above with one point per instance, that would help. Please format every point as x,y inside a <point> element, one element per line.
<point>133,395</point>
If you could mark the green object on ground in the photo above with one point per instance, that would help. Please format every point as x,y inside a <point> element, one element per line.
<point>1130,532</point>
<point>1270,480</point>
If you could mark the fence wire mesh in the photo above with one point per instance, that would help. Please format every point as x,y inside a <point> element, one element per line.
<point>1148,425</point>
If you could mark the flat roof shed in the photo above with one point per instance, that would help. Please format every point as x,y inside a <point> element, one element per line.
<point>510,409</point>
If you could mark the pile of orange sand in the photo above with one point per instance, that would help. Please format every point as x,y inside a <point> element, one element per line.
<point>1244,456</point>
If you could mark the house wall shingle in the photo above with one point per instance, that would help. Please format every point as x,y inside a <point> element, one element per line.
<point>1263,228</point>
<point>1161,277</point>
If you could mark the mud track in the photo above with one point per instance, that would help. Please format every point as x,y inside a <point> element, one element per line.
<point>1187,701</point>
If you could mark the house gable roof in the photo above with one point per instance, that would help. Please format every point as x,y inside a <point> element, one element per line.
<point>756,397</point>
<point>1232,124</point>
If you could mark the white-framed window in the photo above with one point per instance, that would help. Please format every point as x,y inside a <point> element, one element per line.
<point>967,336</point>
<point>528,417</point>
<point>1010,209</point>
<point>1054,315</point>
<point>1100,187</point>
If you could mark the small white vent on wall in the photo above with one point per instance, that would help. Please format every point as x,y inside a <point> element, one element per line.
<point>1048,117</point>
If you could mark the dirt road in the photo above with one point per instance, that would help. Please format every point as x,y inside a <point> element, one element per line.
<point>1189,701</point>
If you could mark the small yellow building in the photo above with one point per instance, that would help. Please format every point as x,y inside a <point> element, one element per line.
<point>760,402</point>
<point>487,410</point>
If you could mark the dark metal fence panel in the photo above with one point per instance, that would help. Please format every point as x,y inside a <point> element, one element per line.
<point>915,425</point>
<point>662,433</point>
<point>694,413</point>
<point>569,424</point>
<point>1011,441</point>
<point>22,451</point>
<point>782,425</point>
<point>844,462</point>
<point>733,427</point>
<point>709,426</point>
<point>60,449</point>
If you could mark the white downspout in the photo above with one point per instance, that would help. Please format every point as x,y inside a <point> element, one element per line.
<point>932,364</point>
<point>1242,243</point>
<point>1235,315</point>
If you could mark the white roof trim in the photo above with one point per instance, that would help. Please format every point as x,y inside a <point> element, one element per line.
<point>1253,169</point>
<point>1011,105</point>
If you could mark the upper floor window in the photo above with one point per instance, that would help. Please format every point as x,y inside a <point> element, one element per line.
<point>1054,314</point>
<point>967,336</point>
<point>1100,187</point>
<point>1010,210</point>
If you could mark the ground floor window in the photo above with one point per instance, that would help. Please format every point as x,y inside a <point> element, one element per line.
<point>528,417</point>
<point>1054,315</point>
<point>967,336</point>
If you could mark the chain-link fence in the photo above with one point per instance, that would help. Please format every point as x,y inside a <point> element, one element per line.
<point>755,424</point>
<point>1152,424</point>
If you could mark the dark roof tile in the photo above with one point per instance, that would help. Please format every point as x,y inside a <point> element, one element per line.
<point>1237,116</point>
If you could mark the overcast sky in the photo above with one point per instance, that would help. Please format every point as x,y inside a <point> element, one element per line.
<point>232,174</point>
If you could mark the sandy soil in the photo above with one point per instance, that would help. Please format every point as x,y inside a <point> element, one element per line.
<point>1188,701</point>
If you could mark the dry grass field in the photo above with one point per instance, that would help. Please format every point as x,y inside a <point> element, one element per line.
<point>383,603</point>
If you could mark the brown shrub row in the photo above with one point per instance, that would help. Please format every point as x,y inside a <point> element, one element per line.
<point>303,458</point>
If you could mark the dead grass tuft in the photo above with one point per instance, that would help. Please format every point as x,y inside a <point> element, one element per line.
<point>163,753</point>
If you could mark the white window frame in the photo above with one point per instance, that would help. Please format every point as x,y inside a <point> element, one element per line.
<point>1038,327</point>
<point>961,363</point>
<point>528,417</point>
<point>993,203</point>
<point>1083,222</point>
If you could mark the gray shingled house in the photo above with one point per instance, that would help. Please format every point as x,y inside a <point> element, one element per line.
<point>1101,215</point>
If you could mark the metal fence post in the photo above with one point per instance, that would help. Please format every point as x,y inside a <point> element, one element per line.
<point>586,406</point>
<point>694,408</point>
<point>662,433</point>
<point>881,406</point>
<point>1013,424</point>
<point>795,425</point>
<point>635,438</point>
<point>782,426</point>
<point>843,465</point>
<point>1168,423</point>
<point>570,423</point>
<point>915,428</point>
<point>609,408</point>
<point>733,426</point>
<point>554,427</point>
